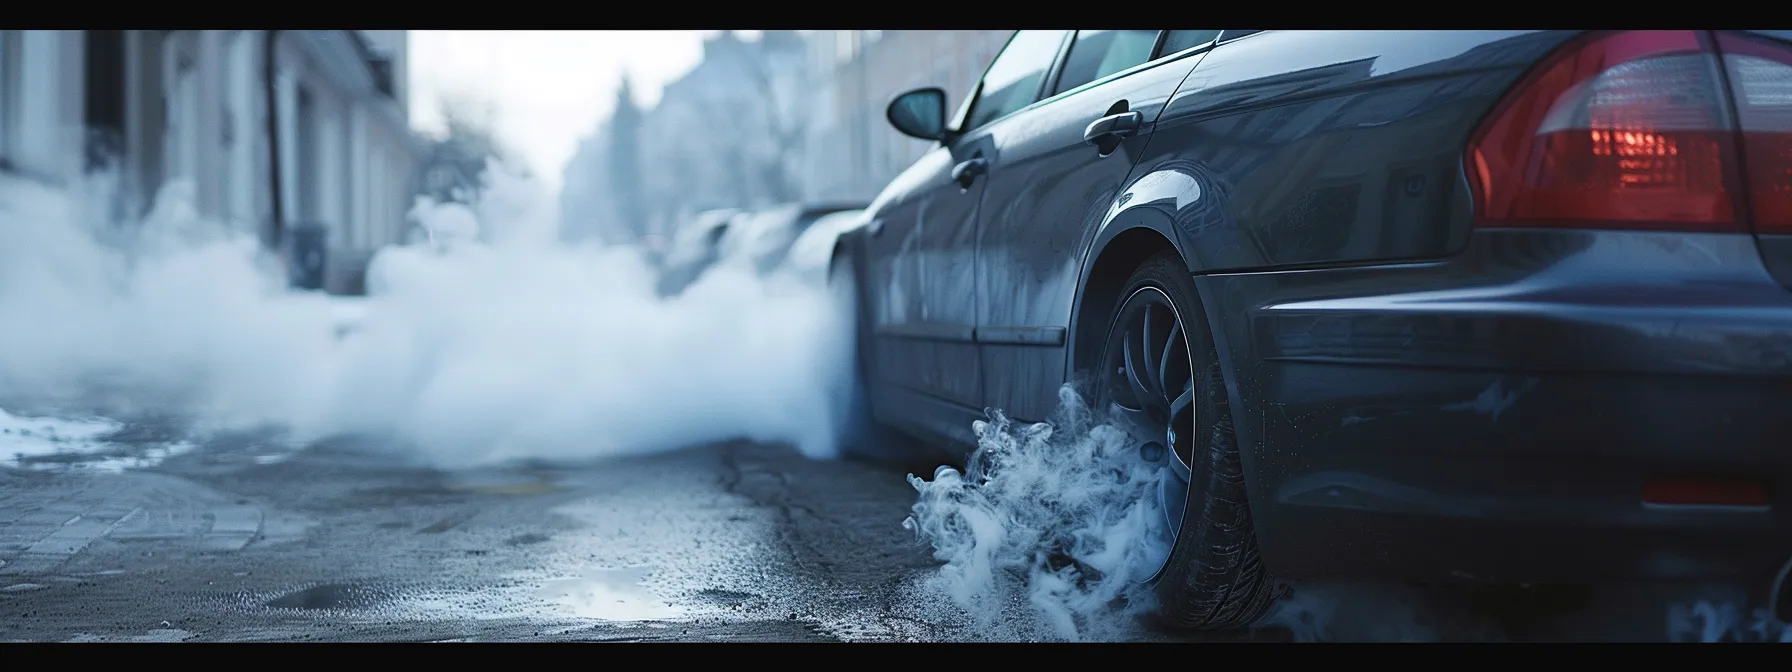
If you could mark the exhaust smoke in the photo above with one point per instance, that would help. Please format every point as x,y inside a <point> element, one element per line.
<point>492,341</point>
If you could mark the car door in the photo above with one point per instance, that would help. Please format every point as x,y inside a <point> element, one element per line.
<point>922,254</point>
<point>1047,191</point>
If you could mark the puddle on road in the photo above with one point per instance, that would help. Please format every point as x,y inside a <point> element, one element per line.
<point>50,443</point>
<point>157,636</point>
<point>332,596</point>
<point>610,595</point>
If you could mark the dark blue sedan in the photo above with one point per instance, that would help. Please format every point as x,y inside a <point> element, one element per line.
<point>1482,306</point>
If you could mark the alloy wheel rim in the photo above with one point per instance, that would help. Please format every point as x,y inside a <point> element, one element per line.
<point>1150,389</point>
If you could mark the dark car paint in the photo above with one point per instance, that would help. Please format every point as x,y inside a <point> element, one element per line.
<point>1776,249</point>
<point>1531,383</point>
<point>1334,147</point>
<point>920,248</point>
<point>1048,190</point>
<point>1409,398</point>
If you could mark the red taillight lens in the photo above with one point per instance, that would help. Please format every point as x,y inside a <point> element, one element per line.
<point>1761,84</point>
<point>1628,130</point>
<point>1706,492</point>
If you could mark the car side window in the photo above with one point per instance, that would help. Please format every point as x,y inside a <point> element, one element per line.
<point>1098,53</point>
<point>1178,40</point>
<point>1013,79</point>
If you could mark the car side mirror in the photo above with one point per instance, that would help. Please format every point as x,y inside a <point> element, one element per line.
<point>920,113</point>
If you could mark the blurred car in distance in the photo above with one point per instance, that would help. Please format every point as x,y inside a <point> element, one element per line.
<point>758,240</point>
<point>809,255</point>
<point>693,246</point>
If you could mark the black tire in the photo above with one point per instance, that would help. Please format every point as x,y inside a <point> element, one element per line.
<point>1213,578</point>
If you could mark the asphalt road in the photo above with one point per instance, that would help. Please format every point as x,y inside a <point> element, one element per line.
<point>343,542</point>
<point>242,539</point>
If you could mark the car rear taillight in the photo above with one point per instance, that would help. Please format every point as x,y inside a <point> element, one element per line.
<point>1761,85</point>
<point>1627,130</point>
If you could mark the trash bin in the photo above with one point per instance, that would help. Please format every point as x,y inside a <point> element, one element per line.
<point>307,250</point>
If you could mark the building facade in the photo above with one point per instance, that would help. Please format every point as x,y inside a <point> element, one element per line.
<point>330,127</point>
<point>855,74</point>
<point>728,134</point>
<point>785,117</point>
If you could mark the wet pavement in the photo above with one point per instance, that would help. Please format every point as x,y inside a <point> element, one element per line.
<point>237,540</point>
<point>241,538</point>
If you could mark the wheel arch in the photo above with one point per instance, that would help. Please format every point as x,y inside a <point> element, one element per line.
<point>1104,276</point>
<point>1119,247</point>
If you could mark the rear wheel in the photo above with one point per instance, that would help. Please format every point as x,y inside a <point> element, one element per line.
<point>1160,377</point>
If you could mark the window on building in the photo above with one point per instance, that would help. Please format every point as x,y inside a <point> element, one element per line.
<point>1178,40</point>
<point>846,45</point>
<point>181,100</point>
<point>104,91</point>
<point>9,92</point>
<point>306,206</point>
<point>1098,53</point>
<point>1013,80</point>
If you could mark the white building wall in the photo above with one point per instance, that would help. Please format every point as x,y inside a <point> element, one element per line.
<point>286,99</point>
<point>331,164</point>
<point>35,141</point>
<point>242,171</point>
<point>181,130</point>
<point>194,108</point>
<point>9,93</point>
<point>41,102</point>
<point>359,171</point>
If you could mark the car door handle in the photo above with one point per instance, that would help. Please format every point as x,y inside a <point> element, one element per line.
<point>966,173</point>
<point>1114,125</point>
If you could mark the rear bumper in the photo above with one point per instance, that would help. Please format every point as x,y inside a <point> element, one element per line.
<point>1500,423</point>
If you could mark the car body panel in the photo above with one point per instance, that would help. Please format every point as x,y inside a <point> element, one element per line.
<point>1776,249</point>
<point>810,255</point>
<point>1411,396</point>
<point>1048,189</point>
<point>1224,153</point>
<point>920,274</point>
<point>1329,147</point>
<point>1531,383</point>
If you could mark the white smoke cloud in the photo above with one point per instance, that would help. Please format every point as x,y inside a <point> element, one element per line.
<point>490,342</point>
<point>1052,530</point>
<point>1056,515</point>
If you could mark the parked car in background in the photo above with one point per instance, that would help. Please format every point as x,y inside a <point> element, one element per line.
<point>758,240</point>
<point>1495,307</point>
<point>693,247</point>
<point>809,255</point>
<point>655,247</point>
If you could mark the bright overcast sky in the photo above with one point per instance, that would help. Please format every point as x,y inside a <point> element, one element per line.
<point>550,88</point>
